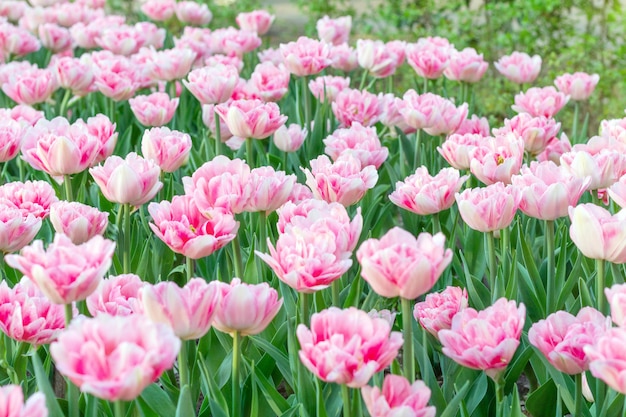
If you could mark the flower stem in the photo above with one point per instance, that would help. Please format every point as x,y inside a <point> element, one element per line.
<point>550,306</point>
<point>416,158</point>
<point>345,397</point>
<point>249,152</point>
<point>69,314</point>
<point>126,254</point>
<point>307,104</point>
<point>235,378</point>
<point>579,395</point>
<point>72,390</point>
<point>407,352</point>
<point>334,287</point>
<point>425,89</point>
<point>67,183</point>
<point>190,269</point>
<point>491,250</point>
<point>499,399</point>
<point>304,308</point>
<point>575,124</point>
<point>218,135</point>
<point>66,99</point>
<point>183,365</point>
<point>600,263</point>
<point>436,224</point>
<point>363,80</point>
<point>237,256</point>
<point>118,408</point>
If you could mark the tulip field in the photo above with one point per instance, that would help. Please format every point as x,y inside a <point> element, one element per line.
<point>197,221</point>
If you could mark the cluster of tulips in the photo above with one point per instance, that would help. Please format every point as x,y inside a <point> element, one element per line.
<point>181,208</point>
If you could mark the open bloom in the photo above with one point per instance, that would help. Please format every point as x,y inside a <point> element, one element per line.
<point>34,197</point>
<point>607,358</point>
<point>78,221</point>
<point>438,309</point>
<point>115,358</point>
<point>187,230</point>
<point>334,31</point>
<point>270,82</point>
<point>352,106</point>
<point>18,227</point>
<point>156,109</point>
<point>467,65</point>
<point>377,58</point>
<point>486,339</point>
<point>497,159</point>
<point>360,141</point>
<point>519,67</point>
<point>398,398</point>
<point>30,87</point>
<point>193,13</point>
<point>347,346</point>
<point>597,233</point>
<point>270,189</point>
<point>306,56</point>
<point>429,57</point>
<point>212,85</point>
<point>257,21</point>
<point>343,57</point>
<point>399,265</point>
<point>168,148</point>
<point>65,272</point>
<point>490,208</point>
<point>117,296</point>
<point>458,149</point>
<point>27,315</point>
<point>289,139</point>
<point>579,86</point>
<point>562,337</point>
<point>13,405</point>
<point>536,132</point>
<point>537,102</point>
<point>604,168</point>
<point>251,118</point>
<point>245,308</point>
<point>327,87</point>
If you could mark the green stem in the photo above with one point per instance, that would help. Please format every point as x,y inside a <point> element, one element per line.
<point>363,80</point>
<point>407,352</point>
<point>249,151</point>
<point>578,405</point>
<point>418,140</point>
<point>126,254</point>
<point>72,390</point>
<point>66,99</point>
<point>237,256</point>
<point>436,224</point>
<point>504,258</point>
<point>307,105</point>
<point>599,396</point>
<point>190,268</point>
<point>600,304</point>
<point>304,308</point>
<point>491,251</point>
<point>624,408</point>
<point>335,292</point>
<point>551,291</point>
<point>425,88</point>
<point>499,399</point>
<point>69,314</point>
<point>218,135</point>
<point>67,184</point>
<point>235,379</point>
<point>183,365</point>
<point>345,398</point>
<point>262,245</point>
<point>575,124</point>
<point>119,409</point>
<point>426,358</point>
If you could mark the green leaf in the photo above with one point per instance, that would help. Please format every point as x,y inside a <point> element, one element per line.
<point>321,407</point>
<point>585,295</point>
<point>158,400</point>
<point>217,402</point>
<point>453,406</point>
<point>43,385</point>
<point>185,406</point>
<point>542,401</point>
<point>276,401</point>
<point>515,410</point>
<point>281,359</point>
<point>474,290</point>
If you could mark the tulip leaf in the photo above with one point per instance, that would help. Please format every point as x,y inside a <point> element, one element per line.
<point>585,295</point>
<point>185,405</point>
<point>43,385</point>
<point>453,406</point>
<point>515,409</point>
<point>276,401</point>
<point>217,402</point>
<point>473,285</point>
<point>535,309</point>
<point>158,400</point>
<point>281,359</point>
<point>613,404</point>
<point>531,267</point>
<point>291,412</point>
<point>517,364</point>
<point>568,286</point>
<point>541,402</point>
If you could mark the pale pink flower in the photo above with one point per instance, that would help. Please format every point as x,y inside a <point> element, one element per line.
<point>474,125</point>
<point>424,194</point>
<point>22,113</point>
<point>103,129</point>
<point>362,142</point>
<point>497,159</point>
<point>54,37</point>
<point>30,87</point>
<point>467,66</point>
<point>14,67</point>
<point>11,137</point>
<point>251,118</point>
<point>445,118</point>
<point>352,105</point>
<point>208,118</point>
<point>300,193</point>
<point>220,183</point>
<point>188,310</point>
<point>78,221</point>
<point>156,109</point>
<point>230,59</point>
<point>607,358</point>
<point>375,57</point>
<point>555,149</point>
<point>519,67</point>
<point>12,400</point>
<point>597,233</point>
<point>325,88</point>
<point>436,312</point>
<point>269,82</point>
<point>490,208</point>
<point>614,129</point>
<point>16,41</point>
<point>133,180</point>
<point>270,189</point>
<point>391,114</point>
<point>85,34</point>
<point>65,272</point>
<point>344,181</point>
<point>347,347</point>
<point>579,86</point>
<point>429,57</point>
<point>159,10</point>
<point>334,31</point>
<point>399,265</point>
<point>115,358</point>
<point>233,41</point>
<point>245,308</point>
<point>193,13</point>
<point>604,167</point>
<point>562,338</point>
<point>116,78</point>
<point>169,149</point>
<point>18,227</point>
<point>197,40</point>
<point>536,132</point>
<point>487,339</point>
<point>172,64</point>
<point>431,112</point>
<point>12,9</point>
<point>548,190</point>
<point>289,139</point>
<point>306,56</point>
<point>257,21</point>
<point>212,85</point>
<point>34,197</point>
<point>343,57</point>
<point>398,398</point>
<point>117,296</point>
<point>272,55</point>
<point>616,295</point>
<point>537,101</point>
<point>122,40</point>
<point>617,192</point>
<point>75,74</point>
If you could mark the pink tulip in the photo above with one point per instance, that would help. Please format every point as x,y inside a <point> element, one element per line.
<point>429,57</point>
<point>466,66</point>
<point>220,183</point>
<point>474,125</point>
<point>436,312</point>
<point>399,265</point>
<point>18,227</point>
<point>117,296</point>
<point>597,233</point>
<point>272,55</point>
<point>289,139</point>
<point>34,197</point>
<point>133,180</point>
<point>257,21</point>
<point>536,132</point>
<point>345,181</point>
<point>117,86</point>
<point>548,190</point>
<point>193,13</point>
<point>306,56</point>
<point>614,129</point>
<point>432,113</point>
<point>172,64</point>
<point>208,118</point>
<point>326,88</point>
<point>489,209</point>
<point>191,232</point>
<point>486,339</point>
<point>391,114</point>
<point>11,135</point>
<point>22,113</point>
<point>159,10</point>
<point>196,40</point>
<point>122,40</point>
<point>115,358</point>
<point>103,129</point>
<point>398,398</point>
<point>497,159</point>
<point>245,308</point>
<point>13,10</point>
<point>12,403</point>
<point>74,74</point>
<point>446,118</point>
<point>555,149</point>
<point>607,358</point>
<point>270,82</point>
<point>65,272</point>
<point>212,85</point>
<point>562,337</point>
<point>251,118</point>
<point>31,87</point>
<point>361,142</point>
<point>424,194</point>
<point>301,193</point>
<point>356,106</point>
<point>579,86</point>
<point>604,167</point>
<point>375,57</point>
<point>334,31</point>
<point>54,37</point>
<point>169,149</point>
<point>616,295</point>
<point>617,192</point>
<point>155,109</point>
<point>347,347</point>
<point>270,189</point>
<point>457,149</point>
<point>16,41</point>
<point>232,41</point>
<point>27,315</point>
<point>188,310</point>
<point>537,102</point>
<point>343,57</point>
<point>78,221</point>
<point>519,67</point>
